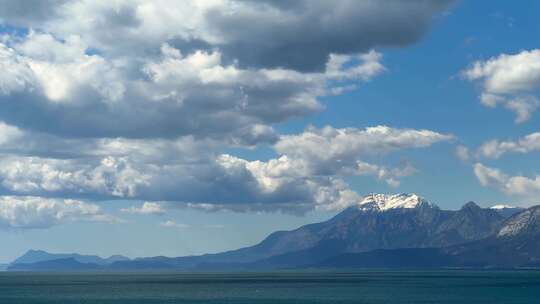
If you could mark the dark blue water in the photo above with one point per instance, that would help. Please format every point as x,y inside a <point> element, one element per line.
<point>386,287</point>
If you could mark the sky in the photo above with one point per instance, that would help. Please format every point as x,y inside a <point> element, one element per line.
<point>176,128</point>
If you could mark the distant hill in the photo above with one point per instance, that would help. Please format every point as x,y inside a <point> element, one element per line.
<point>401,230</point>
<point>40,259</point>
<point>67,264</point>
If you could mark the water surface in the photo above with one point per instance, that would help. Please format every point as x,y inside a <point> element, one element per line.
<point>388,287</point>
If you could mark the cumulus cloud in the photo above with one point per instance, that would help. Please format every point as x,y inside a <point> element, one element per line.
<point>144,100</point>
<point>63,90</point>
<point>511,185</point>
<point>26,212</point>
<point>392,176</point>
<point>224,180</point>
<point>16,75</point>
<point>509,80</point>
<point>303,34</point>
<point>495,148</point>
<point>329,151</point>
<point>172,95</point>
<point>204,68</point>
<point>308,173</point>
<point>262,34</point>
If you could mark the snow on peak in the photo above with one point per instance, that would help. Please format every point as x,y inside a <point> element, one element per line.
<point>502,206</point>
<point>383,202</point>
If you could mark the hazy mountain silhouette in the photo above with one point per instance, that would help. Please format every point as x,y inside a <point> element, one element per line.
<point>36,256</point>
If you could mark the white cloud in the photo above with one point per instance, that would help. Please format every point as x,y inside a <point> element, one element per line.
<point>150,69</point>
<point>510,80</point>
<point>111,176</point>
<point>340,150</point>
<point>511,185</point>
<point>45,47</point>
<point>286,182</point>
<point>263,34</point>
<point>141,99</point>
<point>187,148</point>
<point>9,134</point>
<point>187,94</point>
<point>146,209</point>
<point>508,73</point>
<point>62,69</point>
<point>226,179</point>
<point>495,148</point>
<point>329,142</point>
<point>25,212</point>
<point>306,174</point>
<point>369,66</point>
<point>16,76</point>
<point>391,176</point>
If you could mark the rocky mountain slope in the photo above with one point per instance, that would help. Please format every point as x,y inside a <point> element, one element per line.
<point>378,222</point>
<point>515,244</point>
<point>383,222</point>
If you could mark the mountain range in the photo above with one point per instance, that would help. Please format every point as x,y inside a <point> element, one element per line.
<point>36,260</point>
<point>36,256</point>
<point>402,230</point>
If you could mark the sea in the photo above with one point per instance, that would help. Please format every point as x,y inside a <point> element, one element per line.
<point>388,287</point>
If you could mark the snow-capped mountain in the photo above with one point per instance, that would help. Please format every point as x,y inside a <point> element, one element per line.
<point>378,221</point>
<point>383,230</point>
<point>383,222</point>
<point>384,202</point>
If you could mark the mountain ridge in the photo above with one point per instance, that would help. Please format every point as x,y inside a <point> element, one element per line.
<point>378,228</point>
<point>515,245</point>
<point>37,256</point>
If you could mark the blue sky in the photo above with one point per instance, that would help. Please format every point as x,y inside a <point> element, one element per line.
<point>160,137</point>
